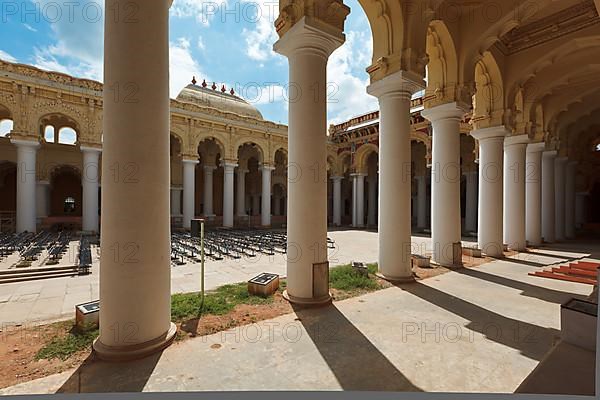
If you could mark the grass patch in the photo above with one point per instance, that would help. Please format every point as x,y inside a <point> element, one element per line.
<point>64,347</point>
<point>345,278</point>
<point>217,302</point>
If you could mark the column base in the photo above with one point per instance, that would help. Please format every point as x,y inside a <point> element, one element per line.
<point>136,351</point>
<point>396,279</point>
<point>314,302</point>
<point>446,265</point>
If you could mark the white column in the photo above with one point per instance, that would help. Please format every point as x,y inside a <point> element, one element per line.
<point>189,192</point>
<point>372,206</point>
<point>228,171</point>
<point>209,171</point>
<point>277,205</point>
<point>560,170</point>
<point>393,93</point>
<point>135,270</point>
<point>307,48</point>
<point>489,221</point>
<point>358,200</point>
<point>471,202</point>
<point>514,191</point>
<point>337,200</point>
<point>265,209</point>
<point>548,231</point>
<point>421,202</point>
<point>580,208</point>
<point>26,185</point>
<point>570,200</point>
<point>176,201</point>
<point>445,178</point>
<point>533,193</point>
<point>241,192</point>
<point>89,183</point>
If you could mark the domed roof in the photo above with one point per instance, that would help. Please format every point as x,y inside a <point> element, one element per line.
<point>208,96</point>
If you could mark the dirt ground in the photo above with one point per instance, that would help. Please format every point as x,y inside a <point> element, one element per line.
<point>20,344</point>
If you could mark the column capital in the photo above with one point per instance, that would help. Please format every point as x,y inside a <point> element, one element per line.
<point>209,167</point>
<point>229,164</point>
<point>190,161</point>
<point>90,149</point>
<point>448,111</point>
<point>178,188</point>
<point>549,153</point>
<point>267,168</point>
<point>336,178</point>
<point>536,147</point>
<point>241,170</point>
<point>516,140</point>
<point>401,84</point>
<point>33,144</point>
<point>310,35</point>
<point>494,132</point>
<point>358,174</point>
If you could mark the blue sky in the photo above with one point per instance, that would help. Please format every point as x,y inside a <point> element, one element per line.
<point>225,41</point>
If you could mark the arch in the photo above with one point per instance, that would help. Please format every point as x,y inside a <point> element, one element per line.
<point>488,101</point>
<point>244,147</point>
<point>59,121</point>
<point>362,155</point>
<point>68,114</point>
<point>65,187</point>
<point>279,149</point>
<point>388,37</point>
<point>442,68</point>
<point>210,149</point>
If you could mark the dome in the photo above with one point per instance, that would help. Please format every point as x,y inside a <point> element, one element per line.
<point>223,101</point>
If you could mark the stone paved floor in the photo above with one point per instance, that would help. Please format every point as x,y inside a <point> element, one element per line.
<point>33,302</point>
<point>478,330</point>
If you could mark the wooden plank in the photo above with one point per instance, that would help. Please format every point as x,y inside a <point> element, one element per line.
<point>574,271</point>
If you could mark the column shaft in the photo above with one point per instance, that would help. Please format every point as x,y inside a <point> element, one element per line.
<point>570,200</point>
<point>265,209</point>
<point>471,206</point>
<point>135,271</point>
<point>445,186</point>
<point>393,93</point>
<point>560,169</point>
<point>241,192</point>
<point>514,191</point>
<point>228,171</point>
<point>189,192</point>
<point>533,194</point>
<point>176,201</point>
<point>337,200</point>
<point>26,185</point>
<point>489,221</point>
<point>421,202</point>
<point>358,196</point>
<point>209,171</point>
<point>372,206</point>
<point>43,199</point>
<point>89,183</point>
<point>548,231</point>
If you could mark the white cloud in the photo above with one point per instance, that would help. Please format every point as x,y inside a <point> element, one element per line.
<point>203,10</point>
<point>347,95</point>
<point>200,44</point>
<point>182,66</point>
<point>29,27</point>
<point>7,57</point>
<point>260,39</point>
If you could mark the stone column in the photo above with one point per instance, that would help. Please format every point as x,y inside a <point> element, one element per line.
<point>189,191</point>
<point>265,207</point>
<point>89,183</point>
<point>560,170</point>
<point>533,193</point>
<point>277,205</point>
<point>358,200</point>
<point>580,208</point>
<point>241,192</point>
<point>570,200</point>
<point>337,200</point>
<point>471,202</point>
<point>421,202</point>
<point>176,201</point>
<point>228,171</point>
<point>307,47</point>
<point>489,221</point>
<point>42,193</point>
<point>209,171</point>
<point>548,231</point>
<point>393,93</point>
<point>372,206</point>
<point>445,178</point>
<point>26,182</point>
<point>135,270</point>
<point>514,191</point>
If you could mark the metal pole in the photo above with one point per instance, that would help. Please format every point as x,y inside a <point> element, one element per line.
<point>202,261</point>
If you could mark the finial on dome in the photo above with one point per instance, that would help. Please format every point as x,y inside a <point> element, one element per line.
<point>223,90</point>
<point>204,83</point>
<point>232,92</point>
<point>194,80</point>
<point>214,86</point>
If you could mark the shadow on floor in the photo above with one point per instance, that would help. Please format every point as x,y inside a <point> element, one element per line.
<point>531,340</point>
<point>539,292</point>
<point>356,363</point>
<point>96,376</point>
<point>541,253</point>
